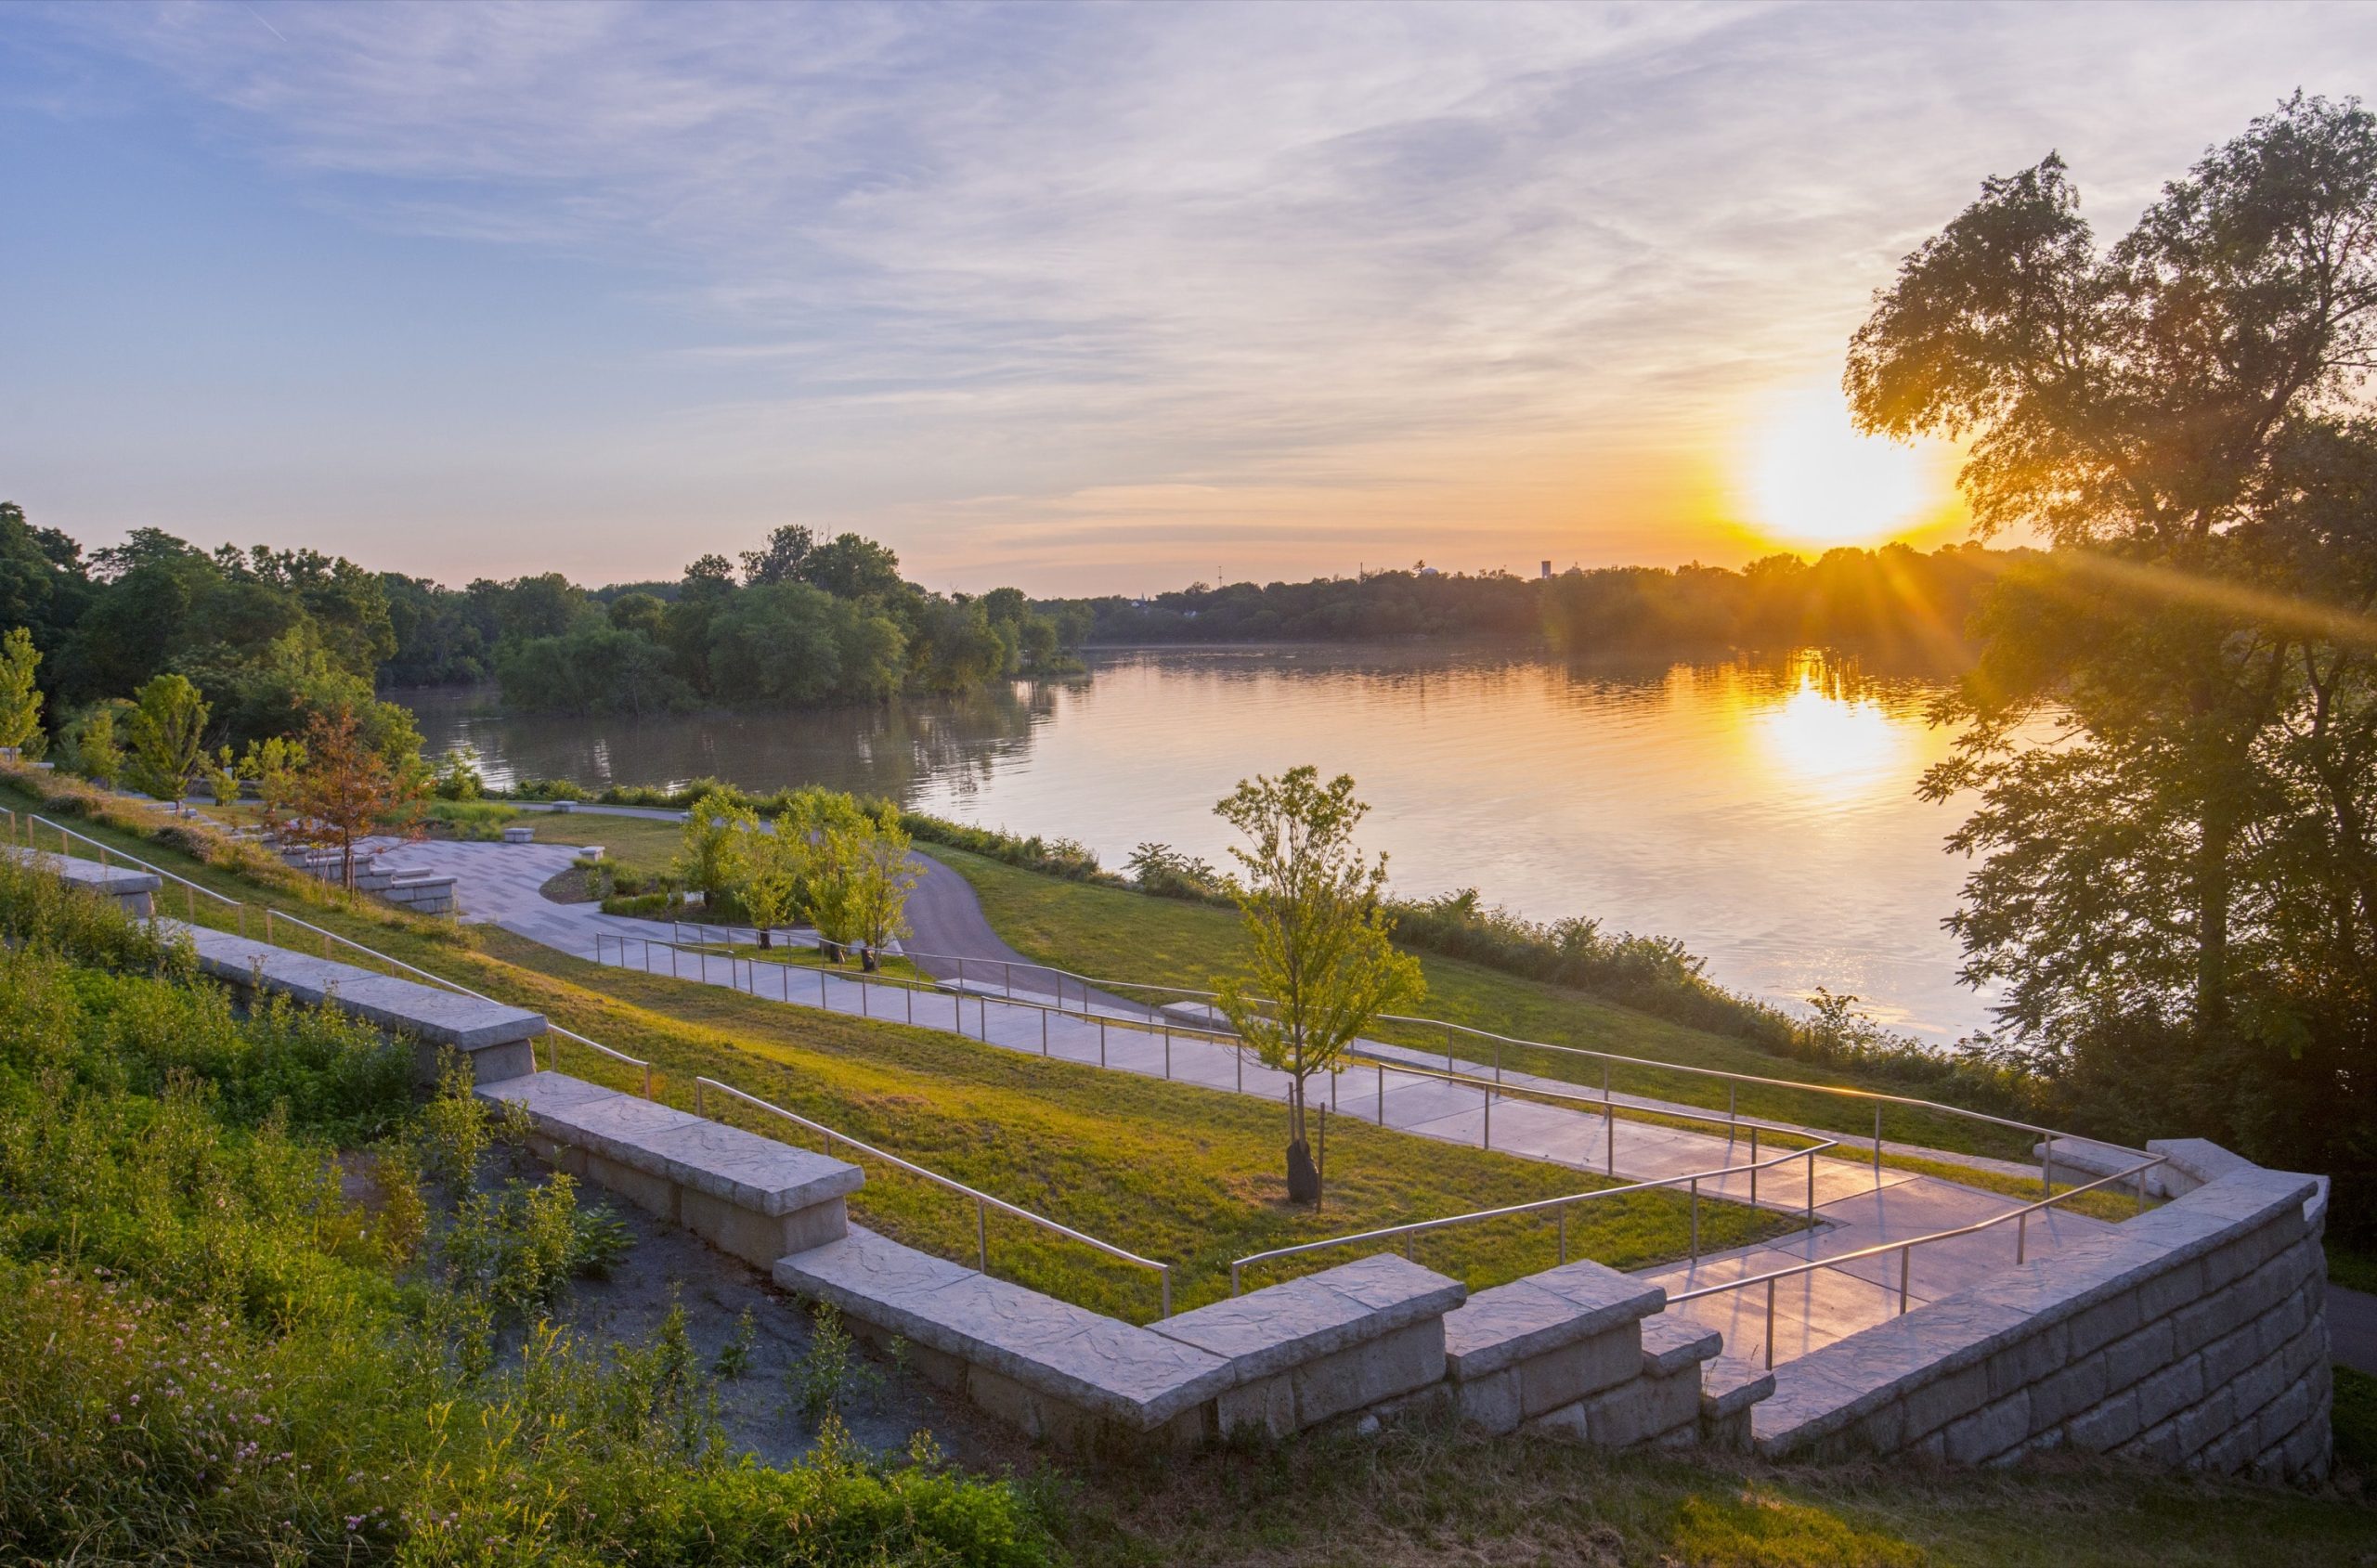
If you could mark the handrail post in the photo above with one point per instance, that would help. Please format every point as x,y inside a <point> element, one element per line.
<point>1564,1232</point>
<point>1233,1278</point>
<point>1905,1262</point>
<point>2046,1165</point>
<point>647,1081</point>
<point>1609,1132</point>
<point>698,1110</point>
<point>2021,1236</point>
<point>1695,1216</point>
<point>1878,1142</point>
<point>1770,1325</point>
<point>982,1235</point>
<point>1382,1094</point>
<point>1167,1289</point>
<point>1753,1167</point>
<point>1812,1185</point>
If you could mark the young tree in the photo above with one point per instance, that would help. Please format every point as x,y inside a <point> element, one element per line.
<point>19,698</point>
<point>168,727</point>
<point>345,787</point>
<point>96,754</point>
<point>274,765</point>
<point>873,879</point>
<point>813,831</point>
<point>767,878</point>
<point>710,858</point>
<point>1320,964</point>
<point>222,781</point>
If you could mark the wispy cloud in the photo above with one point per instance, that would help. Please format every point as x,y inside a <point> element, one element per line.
<point>993,274</point>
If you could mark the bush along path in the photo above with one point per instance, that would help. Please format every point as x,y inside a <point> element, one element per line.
<point>1853,1204</point>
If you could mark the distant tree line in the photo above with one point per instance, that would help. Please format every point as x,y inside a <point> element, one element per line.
<point>1885,599</point>
<point>801,621</point>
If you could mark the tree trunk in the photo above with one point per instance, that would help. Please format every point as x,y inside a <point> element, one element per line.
<point>869,960</point>
<point>1303,1177</point>
<point>765,942</point>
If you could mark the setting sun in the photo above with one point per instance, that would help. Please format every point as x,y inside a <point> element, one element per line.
<point>1808,476</point>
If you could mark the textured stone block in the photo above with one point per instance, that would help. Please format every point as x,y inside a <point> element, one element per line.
<point>1574,1371</point>
<point>1671,1344</point>
<point>2058,1398</point>
<point>2196,1426</point>
<point>2105,1428</point>
<point>2134,1359</point>
<point>1266,1406</point>
<point>1643,1410</point>
<point>2259,1384</point>
<point>756,1237</point>
<point>1988,1432</point>
<point>2101,1324</point>
<point>1944,1399</point>
<point>1368,1373</point>
<point>2169,1290</point>
<point>2230,1357</point>
<point>1491,1402</point>
<point>1084,1361</point>
<point>2169,1391</point>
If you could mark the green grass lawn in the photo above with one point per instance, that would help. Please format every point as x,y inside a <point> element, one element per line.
<point>1111,933</point>
<point>1185,1176</point>
<point>636,845</point>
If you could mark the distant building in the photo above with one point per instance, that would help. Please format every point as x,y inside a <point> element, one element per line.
<point>1547,569</point>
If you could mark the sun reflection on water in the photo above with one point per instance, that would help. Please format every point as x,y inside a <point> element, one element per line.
<point>1826,734</point>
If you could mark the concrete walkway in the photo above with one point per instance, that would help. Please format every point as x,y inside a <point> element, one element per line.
<point>1854,1206</point>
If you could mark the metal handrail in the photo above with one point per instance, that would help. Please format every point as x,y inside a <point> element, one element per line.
<point>983,1201</point>
<point>1413,1229</point>
<point>1878,1098</point>
<point>2021,1218</point>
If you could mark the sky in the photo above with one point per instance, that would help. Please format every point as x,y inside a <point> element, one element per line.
<point>1083,298</point>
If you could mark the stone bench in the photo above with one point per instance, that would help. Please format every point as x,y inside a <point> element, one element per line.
<point>1299,1354</point>
<point>520,835</point>
<point>128,887</point>
<point>1060,1372</point>
<point>743,1194</point>
<point>497,1040</point>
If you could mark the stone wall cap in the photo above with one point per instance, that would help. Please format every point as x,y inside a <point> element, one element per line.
<point>1511,1323</point>
<point>431,1012</point>
<point>728,1163</point>
<point>113,880</point>
<point>1729,1384</point>
<point>1112,1368</point>
<point>1671,1344</point>
<point>1282,1326</point>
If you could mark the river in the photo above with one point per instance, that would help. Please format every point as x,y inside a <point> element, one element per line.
<point>1761,810</point>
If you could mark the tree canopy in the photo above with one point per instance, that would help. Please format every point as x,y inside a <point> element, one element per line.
<point>2171,727</point>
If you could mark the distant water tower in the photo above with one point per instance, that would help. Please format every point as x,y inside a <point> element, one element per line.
<point>1547,569</point>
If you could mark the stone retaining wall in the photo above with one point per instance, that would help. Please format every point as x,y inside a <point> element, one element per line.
<point>2193,1337</point>
<point>128,887</point>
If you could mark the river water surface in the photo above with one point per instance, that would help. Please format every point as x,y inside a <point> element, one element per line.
<point>1761,810</point>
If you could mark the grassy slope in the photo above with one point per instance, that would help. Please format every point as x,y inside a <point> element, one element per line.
<point>1111,932</point>
<point>1182,1174</point>
<point>1436,1498</point>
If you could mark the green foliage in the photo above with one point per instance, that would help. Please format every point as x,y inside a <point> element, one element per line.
<point>167,730</point>
<point>829,1374</point>
<point>21,700</point>
<point>98,755</point>
<point>207,1353</point>
<point>458,775</point>
<point>711,859</point>
<point>1320,964</point>
<point>2172,729</point>
<point>454,1132</point>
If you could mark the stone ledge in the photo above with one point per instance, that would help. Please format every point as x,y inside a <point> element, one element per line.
<point>736,1167</point>
<point>435,1016</point>
<point>1111,1369</point>
<point>1729,1386</point>
<point>1671,1344</point>
<point>1529,1317</point>
<point>113,880</point>
<point>1282,1326</point>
